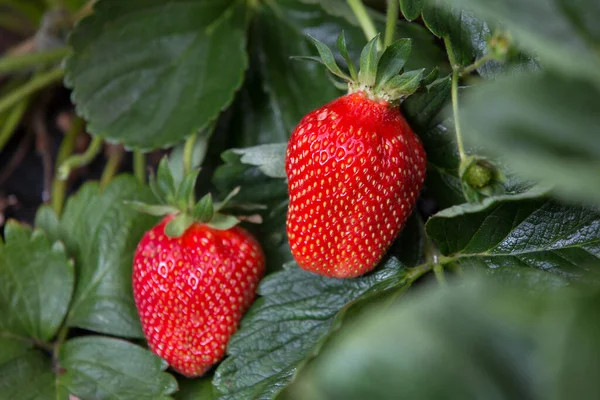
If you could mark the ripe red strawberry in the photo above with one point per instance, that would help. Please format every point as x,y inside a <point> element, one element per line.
<point>355,169</point>
<point>194,275</point>
<point>191,291</point>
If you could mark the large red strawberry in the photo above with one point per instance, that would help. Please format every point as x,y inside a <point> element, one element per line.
<point>194,276</point>
<point>354,167</point>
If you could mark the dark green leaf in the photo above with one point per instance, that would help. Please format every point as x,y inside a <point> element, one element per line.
<point>36,286</point>
<point>270,158</point>
<point>472,340</point>
<point>544,127</point>
<point>100,367</point>
<point>369,57</point>
<point>392,61</point>
<point>289,324</point>
<point>223,221</point>
<point>204,210</point>
<point>520,230</point>
<point>103,232</point>
<point>328,59</point>
<point>150,88</point>
<point>178,225</point>
<point>411,9</point>
<point>11,347</point>
<point>195,389</point>
<point>563,34</point>
<point>30,377</point>
<point>465,34</point>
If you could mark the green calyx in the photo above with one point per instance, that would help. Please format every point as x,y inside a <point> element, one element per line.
<point>179,199</point>
<point>381,75</point>
<point>480,179</point>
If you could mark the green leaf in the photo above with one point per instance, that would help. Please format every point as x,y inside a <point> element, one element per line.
<point>328,59</point>
<point>102,232</point>
<point>204,210</point>
<point>158,84</point>
<point>520,230</point>
<point>223,221</point>
<point>474,339</point>
<point>195,389</point>
<point>36,286</point>
<point>165,184</point>
<point>178,225</point>
<point>466,34</point>
<point>47,221</point>
<point>11,347</point>
<point>343,49</point>
<point>30,377</point>
<point>102,367</point>
<point>158,210</point>
<point>185,193</point>
<point>544,127</point>
<point>288,325</point>
<point>269,158</point>
<point>369,57</point>
<point>392,61</point>
<point>405,84</point>
<point>411,9</point>
<point>563,34</point>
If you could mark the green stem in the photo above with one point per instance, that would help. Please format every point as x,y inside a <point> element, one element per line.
<point>12,122</point>
<point>365,21</point>
<point>112,167</point>
<point>454,92</point>
<point>59,187</point>
<point>478,63</point>
<point>60,339</point>
<point>37,83</point>
<point>188,152</point>
<point>139,165</point>
<point>412,275</point>
<point>80,160</point>
<point>438,270</point>
<point>390,25</point>
<point>10,64</point>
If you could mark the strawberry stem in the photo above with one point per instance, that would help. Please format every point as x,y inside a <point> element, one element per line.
<point>188,152</point>
<point>478,63</point>
<point>390,24</point>
<point>67,145</point>
<point>115,157</point>
<point>438,270</point>
<point>365,21</point>
<point>454,93</point>
<point>80,160</point>
<point>139,165</point>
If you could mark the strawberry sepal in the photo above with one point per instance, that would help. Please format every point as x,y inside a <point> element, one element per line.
<point>381,77</point>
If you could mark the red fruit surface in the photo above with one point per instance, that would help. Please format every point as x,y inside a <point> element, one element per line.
<point>355,169</point>
<point>192,291</point>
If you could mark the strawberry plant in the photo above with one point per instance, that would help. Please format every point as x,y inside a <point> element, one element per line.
<point>299,199</point>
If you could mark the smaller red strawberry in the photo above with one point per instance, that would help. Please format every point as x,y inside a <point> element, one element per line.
<point>194,276</point>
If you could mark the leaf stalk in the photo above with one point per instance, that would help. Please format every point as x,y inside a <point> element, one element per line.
<point>365,21</point>
<point>390,24</point>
